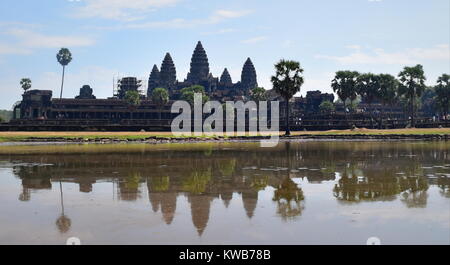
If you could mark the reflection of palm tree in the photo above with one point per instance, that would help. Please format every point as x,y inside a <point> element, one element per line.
<point>444,185</point>
<point>63,222</point>
<point>25,195</point>
<point>289,198</point>
<point>415,192</point>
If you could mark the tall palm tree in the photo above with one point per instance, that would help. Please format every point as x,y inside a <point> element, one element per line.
<point>443,94</point>
<point>287,82</point>
<point>25,83</point>
<point>388,92</point>
<point>368,86</point>
<point>64,57</point>
<point>412,85</point>
<point>345,86</point>
<point>160,96</point>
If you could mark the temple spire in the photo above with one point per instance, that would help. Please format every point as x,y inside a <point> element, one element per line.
<point>248,77</point>
<point>154,80</point>
<point>199,65</point>
<point>225,79</point>
<point>168,74</point>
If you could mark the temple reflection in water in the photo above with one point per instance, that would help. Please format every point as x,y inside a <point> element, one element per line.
<point>361,173</point>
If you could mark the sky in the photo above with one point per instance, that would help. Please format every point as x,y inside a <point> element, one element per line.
<point>117,38</point>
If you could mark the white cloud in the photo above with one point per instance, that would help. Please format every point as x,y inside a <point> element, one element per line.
<point>380,56</point>
<point>24,39</point>
<point>7,49</point>
<point>179,23</point>
<point>126,10</point>
<point>254,40</point>
<point>219,32</point>
<point>32,39</point>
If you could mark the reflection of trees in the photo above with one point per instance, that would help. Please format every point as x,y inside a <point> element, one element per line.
<point>227,167</point>
<point>129,187</point>
<point>196,183</point>
<point>289,198</point>
<point>381,184</point>
<point>259,182</point>
<point>63,222</point>
<point>378,185</point>
<point>158,184</point>
<point>444,186</point>
<point>414,191</point>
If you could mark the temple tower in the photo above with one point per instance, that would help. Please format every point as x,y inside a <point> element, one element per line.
<point>225,79</point>
<point>168,74</point>
<point>199,65</point>
<point>154,80</point>
<point>248,78</point>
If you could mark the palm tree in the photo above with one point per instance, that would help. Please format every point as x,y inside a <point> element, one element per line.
<point>64,57</point>
<point>258,94</point>
<point>287,82</point>
<point>368,86</point>
<point>388,92</point>
<point>443,94</point>
<point>25,83</point>
<point>160,96</point>
<point>345,86</point>
<point>412,85</point>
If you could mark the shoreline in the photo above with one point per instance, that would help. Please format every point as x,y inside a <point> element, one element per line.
<point>442,134</point>
<point>158,140</point>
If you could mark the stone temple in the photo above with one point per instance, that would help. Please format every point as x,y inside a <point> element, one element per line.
<point>222,88</point>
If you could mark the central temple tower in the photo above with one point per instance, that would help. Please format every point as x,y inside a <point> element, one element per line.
<point>199,65</point>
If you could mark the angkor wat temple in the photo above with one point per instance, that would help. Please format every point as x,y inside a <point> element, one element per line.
<point>222,89</point>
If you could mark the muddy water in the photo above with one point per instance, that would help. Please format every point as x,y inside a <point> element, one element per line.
<point>227,193</point>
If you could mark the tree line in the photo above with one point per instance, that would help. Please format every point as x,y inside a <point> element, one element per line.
<point>388,90</point>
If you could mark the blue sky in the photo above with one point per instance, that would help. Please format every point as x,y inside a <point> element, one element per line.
<point>110,38</point>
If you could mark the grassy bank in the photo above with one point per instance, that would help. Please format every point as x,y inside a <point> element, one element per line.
<point>122,136</point>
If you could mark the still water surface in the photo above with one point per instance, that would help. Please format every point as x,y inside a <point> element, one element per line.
<point>227,193</point>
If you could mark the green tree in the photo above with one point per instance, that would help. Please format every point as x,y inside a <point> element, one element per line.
<point>133,99</point>
<point>287,82</point>
<point>345,86</point>
<point>64,57</point>
<point>25,83</point>
<point>429,103</point>
<point>187,94</point>
<point>326,106</point>
<point>387,92</point>
<point>160,96</point>
<point>412,85</point>
<point>368,86</point>
<point>258,94</point>
<point>443,94</point>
